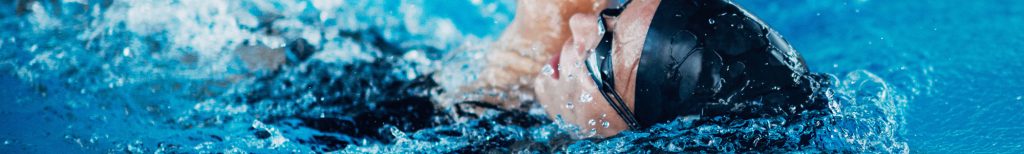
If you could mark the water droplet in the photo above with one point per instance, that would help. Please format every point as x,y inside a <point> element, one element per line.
<point>547,70</point>
<point>569,105</point>
<point>604,115</point>
<point>605,124</point>
<point>397,133</point>
<point>711,21</point>
<point>127,52</point>
<point>592,122</point>
<point>586,98</point>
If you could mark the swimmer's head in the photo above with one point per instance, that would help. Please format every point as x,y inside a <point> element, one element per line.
<point>672,58</point>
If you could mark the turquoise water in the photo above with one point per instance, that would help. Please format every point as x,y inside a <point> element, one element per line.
<point>136,76</point>
<point>956,62</point>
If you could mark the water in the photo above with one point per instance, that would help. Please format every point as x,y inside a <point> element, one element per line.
<point>134,76</point>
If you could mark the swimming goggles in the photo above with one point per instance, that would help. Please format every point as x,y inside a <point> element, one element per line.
<point>600,68</point>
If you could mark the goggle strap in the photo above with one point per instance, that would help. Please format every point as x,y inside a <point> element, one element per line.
<point>614,100</point>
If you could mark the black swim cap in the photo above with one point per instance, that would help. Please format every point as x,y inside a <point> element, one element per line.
<point>712,58</point>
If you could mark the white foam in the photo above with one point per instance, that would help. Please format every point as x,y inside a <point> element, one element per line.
<point>42,19</point>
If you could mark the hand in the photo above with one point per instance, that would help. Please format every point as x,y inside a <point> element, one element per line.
<point>537,33</point>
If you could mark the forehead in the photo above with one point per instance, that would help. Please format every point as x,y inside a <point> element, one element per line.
<point>630,30</point>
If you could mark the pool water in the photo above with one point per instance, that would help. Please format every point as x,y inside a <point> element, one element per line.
<point>117,76</point>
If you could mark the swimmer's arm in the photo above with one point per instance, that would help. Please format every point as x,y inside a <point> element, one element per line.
<point>535,35</point>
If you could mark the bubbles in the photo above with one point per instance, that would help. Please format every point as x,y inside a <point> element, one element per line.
<point>871,115</point>
<point>547,70</point>
<point>397,133</point>
<point>586,98</point>
<point>592,122</point>
<point>570,105</point>
<point>591,132</point>
<point>711,21</point>
<point>127,52</point>
<point>605,124</point>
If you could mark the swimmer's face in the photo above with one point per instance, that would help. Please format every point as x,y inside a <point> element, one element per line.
<point>564,93</point>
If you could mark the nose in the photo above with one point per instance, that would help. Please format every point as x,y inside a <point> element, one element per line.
<point>584,30</point>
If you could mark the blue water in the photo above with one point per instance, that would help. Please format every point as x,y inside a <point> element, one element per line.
<point>135,76</point>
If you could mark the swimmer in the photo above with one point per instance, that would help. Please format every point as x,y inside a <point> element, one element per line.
<point>627,66</point>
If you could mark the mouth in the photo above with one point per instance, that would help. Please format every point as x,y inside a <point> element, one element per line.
<point>554,62</point>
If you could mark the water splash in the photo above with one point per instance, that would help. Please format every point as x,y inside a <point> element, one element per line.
<point>178,69</point>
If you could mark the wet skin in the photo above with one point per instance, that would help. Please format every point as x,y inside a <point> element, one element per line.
<point>572,79</point>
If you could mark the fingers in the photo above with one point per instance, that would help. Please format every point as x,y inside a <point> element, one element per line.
<point>513,62</point>
<point>496,77</point>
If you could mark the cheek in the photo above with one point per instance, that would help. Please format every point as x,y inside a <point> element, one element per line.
<point>570,64</point>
